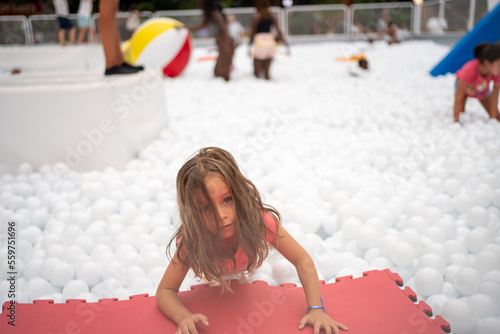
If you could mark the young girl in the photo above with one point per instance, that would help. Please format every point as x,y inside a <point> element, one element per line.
<point>473,80</point>
<point>216,21</point>
<point>226,230</point>
<point>262,39</point>
<point>84,20</point>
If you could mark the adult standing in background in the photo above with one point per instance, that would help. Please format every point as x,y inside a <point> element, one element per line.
<point>216,22</point>
<point>111,40</point>
<point>62,12</point>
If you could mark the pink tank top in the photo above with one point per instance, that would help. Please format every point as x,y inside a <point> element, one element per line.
<point>240,257</point>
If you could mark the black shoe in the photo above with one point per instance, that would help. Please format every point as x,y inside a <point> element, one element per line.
<point>139,68</point>
<point>120,70</point>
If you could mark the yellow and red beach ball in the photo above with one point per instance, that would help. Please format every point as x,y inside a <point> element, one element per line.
<point>160,42</point>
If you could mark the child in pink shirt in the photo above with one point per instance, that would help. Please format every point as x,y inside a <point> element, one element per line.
<point>473,80</point>
<point>226,229</point>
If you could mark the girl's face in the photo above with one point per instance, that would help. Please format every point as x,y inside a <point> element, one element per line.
<point>222,199</point>
<point>493,67</point>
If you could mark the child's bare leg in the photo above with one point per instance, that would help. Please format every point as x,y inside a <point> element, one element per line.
<point>72,33</point>
<point>256,67</point>
<point>267,66</point>
<point>81,35</point>
<point>487,105</point>
<point>62,36</point>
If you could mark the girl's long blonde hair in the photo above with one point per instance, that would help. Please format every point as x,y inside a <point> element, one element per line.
<point>204,251</point>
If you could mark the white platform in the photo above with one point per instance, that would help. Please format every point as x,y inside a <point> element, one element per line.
<point>75,114</point>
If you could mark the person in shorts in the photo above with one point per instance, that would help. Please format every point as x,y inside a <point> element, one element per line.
<point>62,12</point>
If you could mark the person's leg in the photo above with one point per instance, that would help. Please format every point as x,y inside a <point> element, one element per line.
<point>267,66</point>
<point>108,30</point>
<point>72,34</point>
<point>256,67</point>
<point>486,103</point>
<point>61,36</point>
<point>81,34</point>
<point>92,34</point>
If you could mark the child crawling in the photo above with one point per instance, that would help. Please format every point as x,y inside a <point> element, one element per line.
<point>226,230</point>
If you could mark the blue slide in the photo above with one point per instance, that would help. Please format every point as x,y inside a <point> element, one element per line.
<point>486,30</point>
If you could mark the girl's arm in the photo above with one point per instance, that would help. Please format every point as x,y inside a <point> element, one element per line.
<point>494,102</point>
<point>460,99</point>
<point>308,276</point>
<point>169,302</point>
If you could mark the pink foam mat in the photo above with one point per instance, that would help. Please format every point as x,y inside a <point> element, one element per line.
<point>374,303</point>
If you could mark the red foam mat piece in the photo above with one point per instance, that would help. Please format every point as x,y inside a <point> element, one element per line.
<point>373,303</point>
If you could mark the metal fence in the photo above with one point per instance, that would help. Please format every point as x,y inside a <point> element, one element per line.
<point>321,22</point>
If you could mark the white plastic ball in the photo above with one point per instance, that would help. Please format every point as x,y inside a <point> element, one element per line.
<point>495,198</point>
<point>449,290</point>
<point>154,259</point>
<point>32,268</point>
<point>435,233</point>
<point>326,190</point>
<point>47,266</point>
<point>478,217</point>
<point>350,227</point>
<point>444,203</point>
<point>467,281</point>
<point>339,198</point>
<point>381,263</point>
<point>482,198</point>
<point>461,260</point>
<point>36,287</point>
<point>488,325</point>
<point>455,247</point>
<point>402,254</point>
<point>484,305</point>
<point>428,281</point>
<point>418,223</point>
<point>452,187</point>
<point>485,261</point>
<point>476,239</point>
<point>431,261</point>
<point>385,244</point>
<point>450,272</point>
<point>89,272</point>
<point>367,237</point>
<point>331,225</point>
<point>346,212</point>
<point>460,315</point>
<point>463,202</point>
<point>74,288</point>
<point>140,285</point>
<point>89,297</point>
<point>61,274</point>
<point>101,209</point>
<point>436,302</point>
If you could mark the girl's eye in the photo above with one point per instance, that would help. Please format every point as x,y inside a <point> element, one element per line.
<point>228,200</point>
<point>205,208</point>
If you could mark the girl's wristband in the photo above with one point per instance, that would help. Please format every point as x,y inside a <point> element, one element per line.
<point>317,307</point>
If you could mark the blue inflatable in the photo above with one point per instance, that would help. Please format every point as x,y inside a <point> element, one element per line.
<point>486,30</point>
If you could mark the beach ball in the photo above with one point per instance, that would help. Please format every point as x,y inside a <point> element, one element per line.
<point>159,42</point>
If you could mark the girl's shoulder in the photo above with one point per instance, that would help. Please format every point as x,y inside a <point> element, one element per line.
<point>270,222</point>
<point>469,70</point>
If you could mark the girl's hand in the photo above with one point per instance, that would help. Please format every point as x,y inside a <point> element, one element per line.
<point>187,325</point>
<point>318,319</point>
